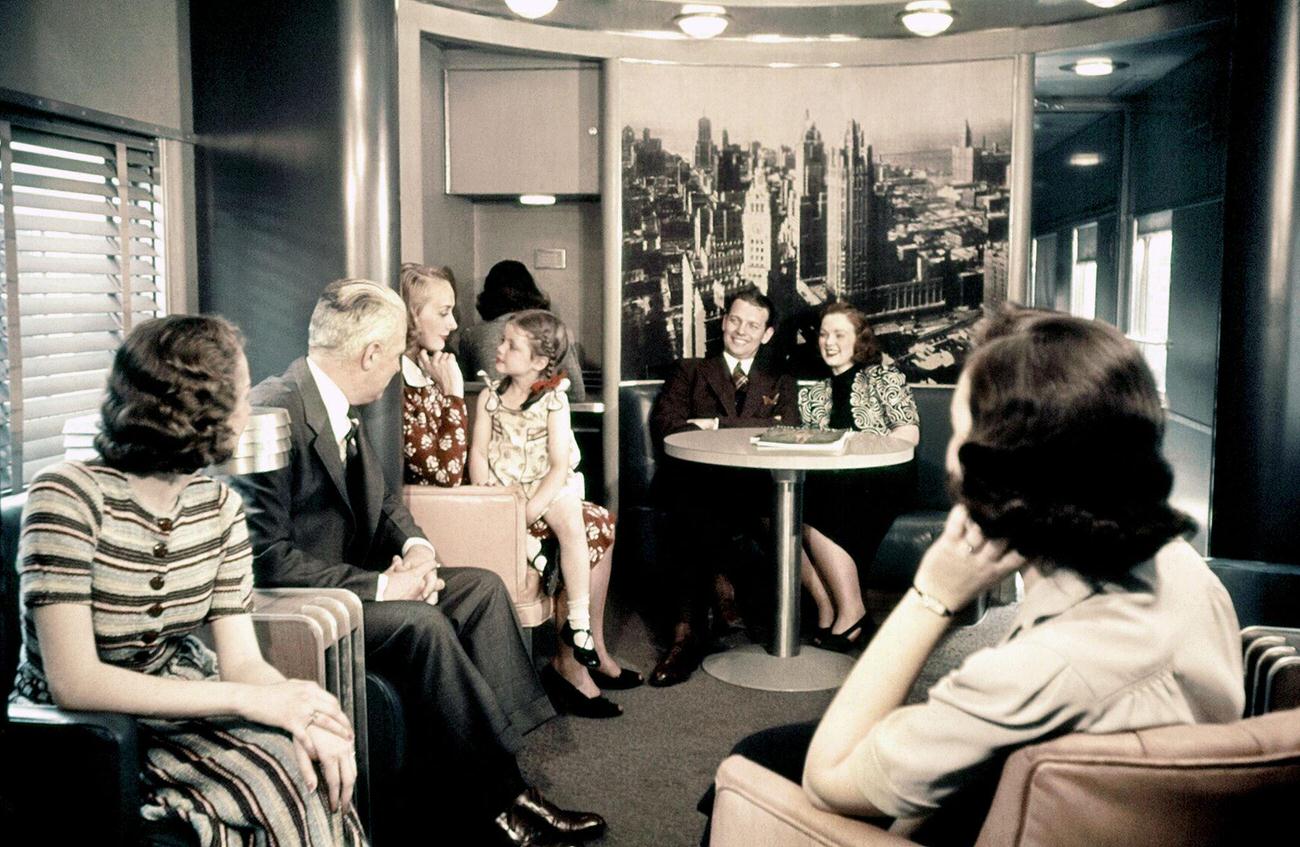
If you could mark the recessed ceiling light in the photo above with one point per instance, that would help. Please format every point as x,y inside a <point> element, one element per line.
<point>1085,160</point>
<point>781,65</point>
<point>701,21</point>
<point>537,199</point>
<point>1106,4</point>
<point>531,9</point>
<point>927,17</point>
<point>834,65</point>
<point>1094,66</point>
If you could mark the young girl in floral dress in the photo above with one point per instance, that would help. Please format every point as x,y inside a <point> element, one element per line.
<point>522,436</point>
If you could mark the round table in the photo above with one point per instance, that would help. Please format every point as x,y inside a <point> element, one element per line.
<point>783,666</point>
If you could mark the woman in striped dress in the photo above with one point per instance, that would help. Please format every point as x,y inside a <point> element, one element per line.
<point>122,560</point>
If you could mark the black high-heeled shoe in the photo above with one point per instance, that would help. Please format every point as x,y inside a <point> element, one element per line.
<point>567,698</point>
<point>627,678</point>
<point>586,656</point>
<point>844,642</point>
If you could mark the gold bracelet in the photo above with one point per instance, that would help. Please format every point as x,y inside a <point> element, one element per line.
<point>931,603</point>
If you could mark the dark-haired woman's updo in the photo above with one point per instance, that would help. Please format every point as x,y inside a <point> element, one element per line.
<point>509,287</point>
<point>171,393</point>
<point>1063,459</point>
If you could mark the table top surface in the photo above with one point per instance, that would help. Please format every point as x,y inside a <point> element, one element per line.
<point>732,447</point>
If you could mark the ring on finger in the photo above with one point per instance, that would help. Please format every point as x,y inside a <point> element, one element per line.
<point>970,550</point>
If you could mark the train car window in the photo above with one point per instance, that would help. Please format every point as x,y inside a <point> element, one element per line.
<point>1148,306</point>
<point>82,262</point>
<point>1083,276</point>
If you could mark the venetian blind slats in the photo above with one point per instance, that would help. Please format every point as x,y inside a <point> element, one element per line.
<point>88,255</point>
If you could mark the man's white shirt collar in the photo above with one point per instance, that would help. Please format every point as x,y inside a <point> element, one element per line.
<point>745,364</point>
<point>336,405</point>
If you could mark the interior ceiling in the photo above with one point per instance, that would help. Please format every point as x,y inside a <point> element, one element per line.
<point>803,18</point>
<point>1062,95</point>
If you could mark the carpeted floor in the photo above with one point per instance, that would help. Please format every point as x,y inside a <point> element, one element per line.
<point>645,771</point>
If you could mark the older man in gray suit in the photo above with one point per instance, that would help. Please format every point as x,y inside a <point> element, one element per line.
<point>448,640</point>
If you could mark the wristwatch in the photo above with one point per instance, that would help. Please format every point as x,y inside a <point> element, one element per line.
<point>931,603</point>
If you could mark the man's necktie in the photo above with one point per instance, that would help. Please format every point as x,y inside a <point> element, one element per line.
<point>354,471</point>
<point>741,381</point>
<point>356,476</point>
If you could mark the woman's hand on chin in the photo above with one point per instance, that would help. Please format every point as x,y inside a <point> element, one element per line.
<point>442,368</point>
<point>962,563</point>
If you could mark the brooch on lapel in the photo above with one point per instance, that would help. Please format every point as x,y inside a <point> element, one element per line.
<point>771,401</point>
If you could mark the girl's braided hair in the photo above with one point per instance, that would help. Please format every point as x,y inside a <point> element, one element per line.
<point>547,337</point>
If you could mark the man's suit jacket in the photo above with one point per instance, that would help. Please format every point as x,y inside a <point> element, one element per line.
<point>702,388</point>
<point>300,518</point>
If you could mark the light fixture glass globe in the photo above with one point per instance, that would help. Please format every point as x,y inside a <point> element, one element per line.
<point>702,21</point>
<point>1099,66</point>
<point>1106,4</point>
<point>927,18</point>
<point>531,9</point>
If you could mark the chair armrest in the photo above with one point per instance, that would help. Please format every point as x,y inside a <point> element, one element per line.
<point>91,756</point>
<point>482,526</point>
<point>756,806</point>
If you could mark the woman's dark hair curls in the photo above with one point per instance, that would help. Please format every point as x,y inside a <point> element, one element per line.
<point>171,393</point>
<point>1063,458</point>
<point>509,287</point>
<point>866,350</point>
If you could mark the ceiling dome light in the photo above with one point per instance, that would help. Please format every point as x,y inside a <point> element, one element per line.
<point>537,199</point>
<point>1106,4</point>
<point>1094,66</point>
<point>927,17</point>
<point>531,9</point>
<point>1085,160</point>
<point>700,21</point>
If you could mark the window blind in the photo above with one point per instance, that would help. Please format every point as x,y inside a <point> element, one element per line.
<point>82,263</point>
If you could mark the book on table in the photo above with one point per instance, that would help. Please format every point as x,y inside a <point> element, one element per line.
<point>795,438</point>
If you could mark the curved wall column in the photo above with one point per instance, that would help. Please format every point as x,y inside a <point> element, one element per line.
<point>296,171</point>
<point>1256,495</point>
<point>611,213</point>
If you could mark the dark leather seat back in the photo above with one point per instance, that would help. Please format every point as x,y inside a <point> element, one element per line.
<point>11,511</point>
<point>1263,593</point>
<point>636,452</point>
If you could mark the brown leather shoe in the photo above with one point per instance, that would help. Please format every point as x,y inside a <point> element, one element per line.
<point>677,665</point>
<point>520,829</point>
<point>558,822</point>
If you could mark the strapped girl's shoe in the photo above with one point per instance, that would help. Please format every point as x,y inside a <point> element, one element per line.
<point>583,644</point>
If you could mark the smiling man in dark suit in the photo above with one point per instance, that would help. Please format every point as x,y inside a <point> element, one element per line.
<point>706,507</point>
<point>448,640</point>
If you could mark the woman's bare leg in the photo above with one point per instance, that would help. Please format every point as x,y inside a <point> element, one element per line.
<point>816,588</point>
<point>840,574</point>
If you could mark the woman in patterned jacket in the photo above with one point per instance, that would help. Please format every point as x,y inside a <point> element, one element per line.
<point>122,559</point>
<point>846,514</point>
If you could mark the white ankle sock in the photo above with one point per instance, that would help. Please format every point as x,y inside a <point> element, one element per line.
<point>580,612</point>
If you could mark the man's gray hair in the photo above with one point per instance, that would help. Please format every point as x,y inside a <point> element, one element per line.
<point>353,313</point>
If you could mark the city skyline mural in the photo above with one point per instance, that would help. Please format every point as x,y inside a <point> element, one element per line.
<point>883,187</point>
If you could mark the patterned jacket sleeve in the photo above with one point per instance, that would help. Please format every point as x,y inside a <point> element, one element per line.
<point>895,395</point>
<point>434,435</point>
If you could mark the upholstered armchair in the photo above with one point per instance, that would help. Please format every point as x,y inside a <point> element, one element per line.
<point>1208,784</point>
<point>483,526</point>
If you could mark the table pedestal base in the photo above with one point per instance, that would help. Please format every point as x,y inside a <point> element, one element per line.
<point>752,666</point>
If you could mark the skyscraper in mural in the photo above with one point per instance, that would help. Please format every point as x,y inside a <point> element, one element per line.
<point>812,209</point>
